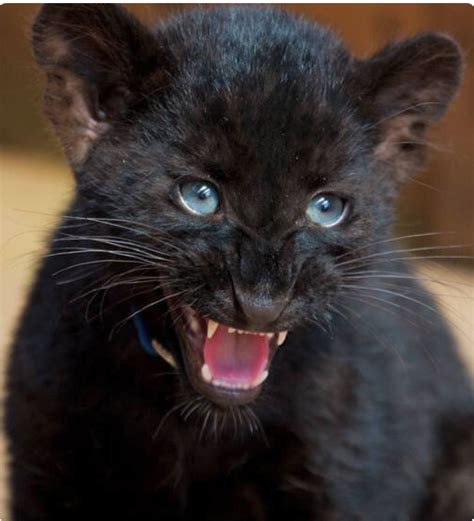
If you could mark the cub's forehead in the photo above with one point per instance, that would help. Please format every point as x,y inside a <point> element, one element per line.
<point>252,65</point>
<point>265,135</point>
<point>241,43</point>
<point>258,97</point>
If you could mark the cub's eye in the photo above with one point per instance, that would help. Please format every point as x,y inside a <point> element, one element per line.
<point>326,210</point>
<point>199,197</point>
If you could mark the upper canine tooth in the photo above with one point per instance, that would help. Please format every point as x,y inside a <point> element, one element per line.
<point>269,335</point>
<point>211,328</point>
<point>281,337</point>
<point>231,330</point>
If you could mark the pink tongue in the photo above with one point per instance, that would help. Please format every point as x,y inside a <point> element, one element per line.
<point>236,358</point>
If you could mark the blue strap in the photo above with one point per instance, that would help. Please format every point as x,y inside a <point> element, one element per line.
<point>142,332</point>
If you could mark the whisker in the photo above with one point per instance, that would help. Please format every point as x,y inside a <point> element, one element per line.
<point>250,424</point>
<point>115,241</point>
<point>361,264</point>
<point>234,421</point>
<point>206,419</point>
<point>154,303</point>
<point>367,291</point>
<point>197,401</point>
<point>315,320</point>
<point>393,293</point>
<point>98,261</point>
<point>400,112</point>
<point>419,290</point>
<point>392,312</point>
<point>259,426</point>
<point>121,301</point>
<point>116,281</point>
<point>165,417</point>
<point>402,250</point>
<point>118,253</point>
<point>393,239</point>
<point>117,223</point>
<point>390,346</point>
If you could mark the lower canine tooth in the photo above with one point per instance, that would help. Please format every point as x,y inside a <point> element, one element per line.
<point>206,373</point>
<point>260,378</point>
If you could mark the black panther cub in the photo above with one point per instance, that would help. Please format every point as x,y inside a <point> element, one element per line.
<point>225,327</point>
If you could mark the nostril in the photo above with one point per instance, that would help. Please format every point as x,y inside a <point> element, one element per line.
<point>260,311</point>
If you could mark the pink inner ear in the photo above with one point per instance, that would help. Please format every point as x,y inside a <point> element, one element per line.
<point>68,109</point>
<point>395,131</point>
<point>91,54</point>
<point>401,144</point>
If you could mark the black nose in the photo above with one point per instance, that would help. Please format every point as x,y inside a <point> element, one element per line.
<point>260,311</point>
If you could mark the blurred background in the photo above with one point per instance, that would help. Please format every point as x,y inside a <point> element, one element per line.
<point>36,183</point>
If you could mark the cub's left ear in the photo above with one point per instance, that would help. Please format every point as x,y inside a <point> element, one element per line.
<point>100,64</point>
<point>406,86</point>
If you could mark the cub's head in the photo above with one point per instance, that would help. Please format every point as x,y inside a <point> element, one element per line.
<point>231,163</point>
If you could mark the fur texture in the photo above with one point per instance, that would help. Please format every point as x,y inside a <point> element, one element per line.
<point>367,411</point>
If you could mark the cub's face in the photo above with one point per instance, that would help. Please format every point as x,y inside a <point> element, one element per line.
<point>243,160</point>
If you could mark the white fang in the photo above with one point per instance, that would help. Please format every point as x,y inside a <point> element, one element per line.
<point>211,328</point>
<point>206,373</point>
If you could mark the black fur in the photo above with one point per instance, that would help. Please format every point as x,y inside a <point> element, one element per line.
<point>366,412</point>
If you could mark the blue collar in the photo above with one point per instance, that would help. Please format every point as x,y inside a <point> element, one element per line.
<point>143,333</point>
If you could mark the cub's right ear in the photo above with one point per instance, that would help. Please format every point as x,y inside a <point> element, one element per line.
<point>99,60</point>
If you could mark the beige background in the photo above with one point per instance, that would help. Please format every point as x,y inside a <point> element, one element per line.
<point>36,183</point>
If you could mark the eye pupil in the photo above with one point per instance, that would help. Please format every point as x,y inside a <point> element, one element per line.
<point>326,210</point>
<point>324,204</point>
<point>203,192</point>
<point>199,197</point>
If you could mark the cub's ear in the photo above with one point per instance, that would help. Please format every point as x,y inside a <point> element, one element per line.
<point>98,60</point>
<point>408,85</point>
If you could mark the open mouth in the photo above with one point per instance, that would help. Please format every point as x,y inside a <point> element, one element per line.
<point>226,364</point>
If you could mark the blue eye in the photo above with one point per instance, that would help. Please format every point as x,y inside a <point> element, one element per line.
<point>326,210</point>
<point>199,197</point>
